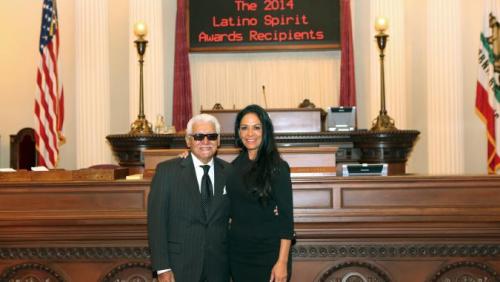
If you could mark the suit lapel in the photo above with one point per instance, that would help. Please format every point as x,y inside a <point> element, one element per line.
<point>219,180</point>
<point>219,183</point>
<point>188,176</point>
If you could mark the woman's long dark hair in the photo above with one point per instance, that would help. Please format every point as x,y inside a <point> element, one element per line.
<point>258,178</point>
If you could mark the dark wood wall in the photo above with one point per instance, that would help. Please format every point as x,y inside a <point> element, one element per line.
<point>409,228</point>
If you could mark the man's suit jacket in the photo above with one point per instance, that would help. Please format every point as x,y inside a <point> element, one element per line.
<point>181,237</point>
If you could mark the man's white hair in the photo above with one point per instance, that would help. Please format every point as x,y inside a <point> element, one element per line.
<point>202,118</point>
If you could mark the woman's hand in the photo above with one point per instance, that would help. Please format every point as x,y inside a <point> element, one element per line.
<point>279,272</point>
<point>184,154</point>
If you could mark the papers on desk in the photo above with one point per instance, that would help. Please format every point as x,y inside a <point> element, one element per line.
<point>134,177</point>
<point>39,168</point>
<point>33,168</point>
<point>7,169</point>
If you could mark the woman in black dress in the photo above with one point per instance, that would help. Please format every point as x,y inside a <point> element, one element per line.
<point>260,194</point>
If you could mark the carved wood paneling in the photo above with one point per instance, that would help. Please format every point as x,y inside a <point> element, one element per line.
<point>468,271</point>
<point>354,272</point>
<point>31,272</point>
<point>93,200</point>
<point>329,251</point>
<point>316,198</point>
<point>75,253</point>
<point>130,272</point>
<point>411,229</point>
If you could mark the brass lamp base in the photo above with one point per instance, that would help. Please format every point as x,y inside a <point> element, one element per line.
<point>141,126</point>
<point>383,123</point>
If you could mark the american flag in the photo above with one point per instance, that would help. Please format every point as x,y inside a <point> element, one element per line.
<point>49,100</point>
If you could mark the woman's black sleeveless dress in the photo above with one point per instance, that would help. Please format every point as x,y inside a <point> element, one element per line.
<point>256,230</point>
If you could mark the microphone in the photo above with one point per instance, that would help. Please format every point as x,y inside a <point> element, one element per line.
<point>264,94</point>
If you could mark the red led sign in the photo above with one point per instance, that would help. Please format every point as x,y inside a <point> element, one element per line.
<point>219,25</point>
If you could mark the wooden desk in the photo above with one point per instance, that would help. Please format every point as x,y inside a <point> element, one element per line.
<point>403,229</point>
<point>359,146</point>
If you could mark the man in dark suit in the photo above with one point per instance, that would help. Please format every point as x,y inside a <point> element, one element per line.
<point>188,210</point>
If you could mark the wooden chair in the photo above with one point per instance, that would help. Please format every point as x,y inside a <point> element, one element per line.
<point>23,153</point>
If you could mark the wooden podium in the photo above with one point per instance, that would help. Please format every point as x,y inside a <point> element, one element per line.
<point>303,161</point>
<point>284,120</point>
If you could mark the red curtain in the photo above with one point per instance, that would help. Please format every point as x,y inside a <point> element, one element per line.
<point>347,79</point>
<point>182,108</point>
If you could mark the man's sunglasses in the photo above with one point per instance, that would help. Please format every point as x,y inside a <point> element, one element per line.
<point>201,136</point>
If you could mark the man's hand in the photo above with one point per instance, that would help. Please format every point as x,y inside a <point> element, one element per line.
<point>279,272</point>
<point>166,277</point>
<point>183,155</point>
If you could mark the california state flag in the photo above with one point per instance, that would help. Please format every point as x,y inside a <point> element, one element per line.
<point>488,82</point>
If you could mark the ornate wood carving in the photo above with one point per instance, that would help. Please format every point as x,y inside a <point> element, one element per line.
<point>354,271</point>
<point>130,272</point>
<point>467,271</point>
<point>336,251</point>
<point>76,253</point>
<point>299,251</point>
<point>31,272</point>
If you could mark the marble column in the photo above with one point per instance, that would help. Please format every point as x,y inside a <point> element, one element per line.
<point>151,13</point>
<point>92,82</point>
<point>444,87</point>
